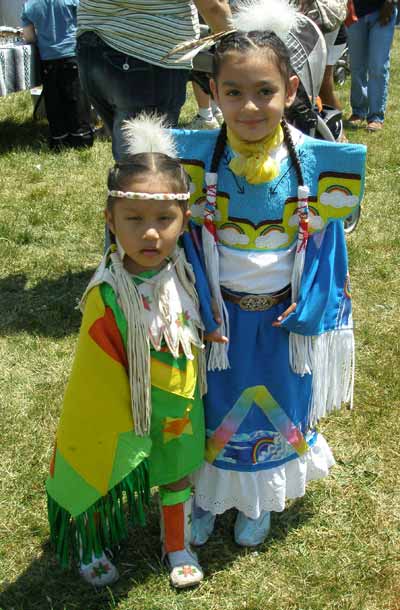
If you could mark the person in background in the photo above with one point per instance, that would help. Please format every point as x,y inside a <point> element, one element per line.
<point>208,114</point>
<point>122,49</point>
<point>370,40</point>
<point>335,43</point>
<point>52,25</point>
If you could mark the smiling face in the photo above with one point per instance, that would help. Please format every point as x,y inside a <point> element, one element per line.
<point>147,229</point>
<point>252,93</point>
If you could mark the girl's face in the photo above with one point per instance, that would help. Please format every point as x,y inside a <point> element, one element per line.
<point>147,229</point>
<point>252,93</point>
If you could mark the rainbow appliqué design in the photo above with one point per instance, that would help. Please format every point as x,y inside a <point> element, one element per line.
<point>336,196</point>
<point>261,444</point>
<point>260,396</point>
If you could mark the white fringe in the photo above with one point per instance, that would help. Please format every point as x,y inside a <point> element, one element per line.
<point>300,347</point>
<point>138,346</point>
<point>217,352</point>
<point>186,277</point>
<point>138,339</point>
<point>185,274</point>
<point>333,368</point>
<point>300,353</point>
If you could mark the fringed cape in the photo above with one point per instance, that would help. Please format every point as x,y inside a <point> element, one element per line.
<point>101,470</point>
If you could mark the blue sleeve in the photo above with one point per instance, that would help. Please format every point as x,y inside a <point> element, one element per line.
<point>324,302</point>
<point>192,247</point>
<point>25,18</point>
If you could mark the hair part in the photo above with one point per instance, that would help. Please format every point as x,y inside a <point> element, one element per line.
<point>244,42</point>
<point>136,167</point>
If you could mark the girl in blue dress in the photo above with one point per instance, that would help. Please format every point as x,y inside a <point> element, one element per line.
<point>267,210</point>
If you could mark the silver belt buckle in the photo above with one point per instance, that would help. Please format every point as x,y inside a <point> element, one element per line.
<point>256,302</point>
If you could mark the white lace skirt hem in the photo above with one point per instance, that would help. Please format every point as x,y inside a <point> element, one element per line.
<point>218,490</point>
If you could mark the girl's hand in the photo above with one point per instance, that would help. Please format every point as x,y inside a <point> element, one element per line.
<point>215,311</point>
<point>216,337</point>
<point>284,315</point>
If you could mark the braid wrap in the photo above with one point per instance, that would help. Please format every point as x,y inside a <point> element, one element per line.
<point>217,352</point>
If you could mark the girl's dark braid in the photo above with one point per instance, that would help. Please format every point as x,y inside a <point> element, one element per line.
<point>219,149</point>
<point>292,152</point>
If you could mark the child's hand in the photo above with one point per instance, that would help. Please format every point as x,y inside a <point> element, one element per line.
<point>216,337</point>
<point>284,315</point>
<point>215,311</point>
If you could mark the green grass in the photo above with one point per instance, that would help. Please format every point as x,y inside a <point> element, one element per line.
<point>338,548</point>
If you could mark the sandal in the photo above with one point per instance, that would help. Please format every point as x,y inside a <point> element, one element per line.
<point>185,570</point>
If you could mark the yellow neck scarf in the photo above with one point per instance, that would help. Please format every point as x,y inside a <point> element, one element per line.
<point>253,160</point>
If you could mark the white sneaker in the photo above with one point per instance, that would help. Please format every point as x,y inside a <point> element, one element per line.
<point>219,116</point>
<point>200,123</point>
<point>100,572</point>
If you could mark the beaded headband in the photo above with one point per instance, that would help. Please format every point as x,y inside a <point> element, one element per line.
<point>158,196</point>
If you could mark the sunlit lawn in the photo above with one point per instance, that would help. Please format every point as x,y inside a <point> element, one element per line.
<point>337,548</point>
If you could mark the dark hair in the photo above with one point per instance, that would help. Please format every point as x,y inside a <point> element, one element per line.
<point>133,167</point>
<point>246,41</point>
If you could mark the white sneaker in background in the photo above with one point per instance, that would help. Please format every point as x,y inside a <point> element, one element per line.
<point>219,116</point>
<point>200,123</point>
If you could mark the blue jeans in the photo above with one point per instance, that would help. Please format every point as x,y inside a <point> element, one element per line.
<point>120,86</point>
<point>369,45</point>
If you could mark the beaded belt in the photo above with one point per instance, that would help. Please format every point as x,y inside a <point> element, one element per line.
<point>257,302</point>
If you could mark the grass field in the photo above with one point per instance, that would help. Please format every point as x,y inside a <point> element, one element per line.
<point>338,548</point>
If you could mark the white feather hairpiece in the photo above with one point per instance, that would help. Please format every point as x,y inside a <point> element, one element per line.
<point>148,133</point>
<point>278,16</point>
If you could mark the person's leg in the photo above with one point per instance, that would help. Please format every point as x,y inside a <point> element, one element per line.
<point>170,94</point>
<point>148,88</point>
<point>204,118</point>
<point>327,90</point>
<point>53,103</point>
<point>90,61</point>
<point>357,38</point>
<point>203,522</point>
<point>176,510</point>
<point>127,86</point>
<point>380,42</point>
<point>120,86</point>
<point>75,105</point>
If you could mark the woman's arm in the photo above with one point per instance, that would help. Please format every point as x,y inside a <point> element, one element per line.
<point>29,34</point>
<point>216,13</point>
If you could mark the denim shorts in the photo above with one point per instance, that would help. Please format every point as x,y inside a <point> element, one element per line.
<point>120,86</point>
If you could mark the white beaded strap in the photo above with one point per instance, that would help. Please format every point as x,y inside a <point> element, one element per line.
<point>160,196</point>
